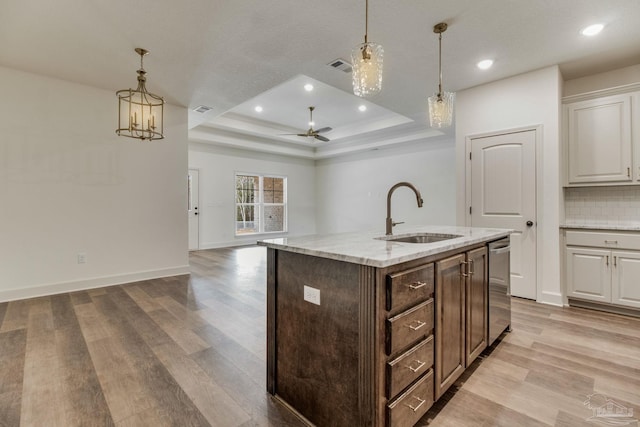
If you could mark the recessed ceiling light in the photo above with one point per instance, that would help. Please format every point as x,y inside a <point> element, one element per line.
<point>485,64</point>
<point>362,108</point>
<point>258,109</point>
<point>592,30</point>
<point>308,87</point>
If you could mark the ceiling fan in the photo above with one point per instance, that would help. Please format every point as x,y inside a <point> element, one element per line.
<point>311,131</point>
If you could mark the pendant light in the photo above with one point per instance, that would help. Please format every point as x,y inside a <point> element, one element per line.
<point>140,113</point>
<point>367,64</point>
<point>441,104</point>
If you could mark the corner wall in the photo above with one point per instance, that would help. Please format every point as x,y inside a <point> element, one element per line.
<point>525,100</point>
<point>69,186</point>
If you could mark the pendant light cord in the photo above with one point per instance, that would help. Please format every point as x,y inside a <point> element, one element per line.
<point>366,20</point>
<point>440,65</point>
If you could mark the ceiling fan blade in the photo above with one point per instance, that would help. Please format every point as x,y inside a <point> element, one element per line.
<point>326,129</point>
<point>321,138</point>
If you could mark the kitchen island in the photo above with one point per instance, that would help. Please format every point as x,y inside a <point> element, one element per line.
<point>363,330</point>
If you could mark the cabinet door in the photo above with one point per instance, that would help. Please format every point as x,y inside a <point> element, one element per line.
<point>626,278</point>
<point>599,140</point>
<point>589,274</point>
<point>450,322</point>
<point>477,304</point>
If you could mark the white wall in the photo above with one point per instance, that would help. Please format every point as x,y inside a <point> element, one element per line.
<point>352,191</point>
<point>526,100</point>
<point>217,167</point>
<point>610,79</point>
<point>69,185</point>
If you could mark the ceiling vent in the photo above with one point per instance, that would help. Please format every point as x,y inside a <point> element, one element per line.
<point>202,109</point>
<point>341,64</point>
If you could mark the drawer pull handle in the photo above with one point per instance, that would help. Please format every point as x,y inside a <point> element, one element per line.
<point>415,408</point>
<point>417,285</point>
<point>610,242</point>
<point>462,269</point>
<point>470,262</point>
<point>607,260</point>
<point>417,368</point>
<point>416,324</point>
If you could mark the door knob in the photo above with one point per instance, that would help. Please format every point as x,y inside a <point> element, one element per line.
<point>529,223</point>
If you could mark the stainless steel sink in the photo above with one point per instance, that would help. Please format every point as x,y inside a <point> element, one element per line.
<point>420,238</point>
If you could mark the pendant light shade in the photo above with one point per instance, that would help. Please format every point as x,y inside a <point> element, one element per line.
<point>366,59</point>
<point>441,109</point>
<point>441,104</point>
<point>140,113</point>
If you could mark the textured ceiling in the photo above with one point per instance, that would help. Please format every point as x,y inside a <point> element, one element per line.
<point>225,53</point>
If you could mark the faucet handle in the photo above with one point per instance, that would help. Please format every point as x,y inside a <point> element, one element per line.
<point>396,223</point>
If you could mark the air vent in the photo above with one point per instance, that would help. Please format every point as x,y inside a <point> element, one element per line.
<point>202,109</point>
<point>341,64</point>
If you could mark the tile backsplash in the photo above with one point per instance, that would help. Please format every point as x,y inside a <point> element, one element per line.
<point>602,205</point>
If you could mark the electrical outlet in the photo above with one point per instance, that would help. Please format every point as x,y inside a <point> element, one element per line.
<point>312,295</point>
<point>82,258</point>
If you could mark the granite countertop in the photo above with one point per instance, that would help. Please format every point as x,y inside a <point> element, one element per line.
<point>367,248</point>
<point>596,226</point>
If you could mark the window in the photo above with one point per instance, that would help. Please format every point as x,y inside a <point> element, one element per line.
<point>261,204</point>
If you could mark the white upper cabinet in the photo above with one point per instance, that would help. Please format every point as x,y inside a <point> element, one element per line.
<point>599,140</point>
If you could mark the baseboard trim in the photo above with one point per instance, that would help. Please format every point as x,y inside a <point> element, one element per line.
<point>233,243</point>
<point>610,308</point>
<point>551,298</point>
<point>91,283</point>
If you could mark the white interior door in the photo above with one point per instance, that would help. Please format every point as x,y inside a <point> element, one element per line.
<point>503,195</point>
<point>194,224</point>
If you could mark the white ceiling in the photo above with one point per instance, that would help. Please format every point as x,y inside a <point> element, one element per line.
<point>228,55</point>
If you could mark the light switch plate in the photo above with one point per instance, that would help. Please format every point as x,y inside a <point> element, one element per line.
<point>312,295</point>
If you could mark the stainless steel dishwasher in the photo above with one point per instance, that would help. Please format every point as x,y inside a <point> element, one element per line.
<point>499,288</point>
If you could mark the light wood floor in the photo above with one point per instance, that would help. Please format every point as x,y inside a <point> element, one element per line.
<point>190,351</point>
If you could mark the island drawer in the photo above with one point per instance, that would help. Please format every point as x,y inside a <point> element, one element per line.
<point>407,287</point>
<point>407,367</point>
<point>409,327</point>
<point>407,409</point>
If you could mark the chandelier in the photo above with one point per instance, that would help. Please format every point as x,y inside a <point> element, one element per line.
<point>140,113</point>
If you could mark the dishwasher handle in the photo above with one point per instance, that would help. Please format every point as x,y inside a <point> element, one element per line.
<point>500,250</point>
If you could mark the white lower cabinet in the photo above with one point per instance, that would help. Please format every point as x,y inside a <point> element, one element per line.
<point>588,274</point>
<point>626,279</point>
<point>596,270</point>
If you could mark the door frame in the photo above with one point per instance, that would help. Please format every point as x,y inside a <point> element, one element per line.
<point>538,129</point>
<point>198,216</point>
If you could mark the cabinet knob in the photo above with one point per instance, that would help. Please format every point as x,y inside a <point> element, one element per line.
<point>529,223</point>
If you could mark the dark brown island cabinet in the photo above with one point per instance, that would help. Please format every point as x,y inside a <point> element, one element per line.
<point>351,344</point>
